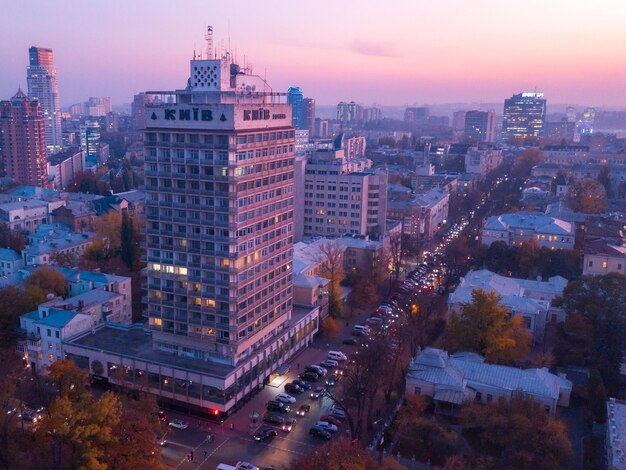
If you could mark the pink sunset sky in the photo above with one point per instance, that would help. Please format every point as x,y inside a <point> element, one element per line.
<point>391,52</point>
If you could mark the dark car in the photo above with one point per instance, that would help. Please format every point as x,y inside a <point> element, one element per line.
<point>350,341</point>
<point>277,406</point>
<point>309,377</point>
<point>304,409</point>
<point>274,419</point>
<point>161,415</point>
<point>266,434</point>
<point>332,380</point>
<point>302,384</point>
<point>315,394</point>
<point>293,388</point>
<point>317,432</point>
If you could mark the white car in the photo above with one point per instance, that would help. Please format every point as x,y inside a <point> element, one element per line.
<point>329,363</point>
<point>285,398</point>
<point>337,412</point>
<point>178,424</point>
<point>245,466</point>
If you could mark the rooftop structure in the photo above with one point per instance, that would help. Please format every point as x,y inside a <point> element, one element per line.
<point>515,228</point>
<point>452,380</point>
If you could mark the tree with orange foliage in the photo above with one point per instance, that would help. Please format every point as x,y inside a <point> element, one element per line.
<point>486,327</point>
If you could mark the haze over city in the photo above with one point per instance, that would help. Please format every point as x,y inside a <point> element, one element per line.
<point>391,53</point>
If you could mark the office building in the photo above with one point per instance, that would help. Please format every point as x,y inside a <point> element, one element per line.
<point>321,130</point>
<point>42,84</point>
<point>308,115</point>
<point>458,121</point>
<point>349,112</point>
<point>480,126</point>
<point>219,234</point>
<point>524,115</point>
<point>63,167</point>
<point>296,99</point>
<point>482,160</point>
<point>23,140</point>
<point>90,143</point>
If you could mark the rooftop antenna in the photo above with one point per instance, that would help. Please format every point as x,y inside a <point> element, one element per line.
<point>229,49</point>
<point>209,42</point>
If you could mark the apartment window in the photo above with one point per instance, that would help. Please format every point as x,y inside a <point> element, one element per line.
<point>479,396</point>
<point>489,398</point>
<point>418,390</point>
<point>590,264</point>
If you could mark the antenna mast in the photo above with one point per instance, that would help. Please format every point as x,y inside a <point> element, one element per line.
<point>209,42</point>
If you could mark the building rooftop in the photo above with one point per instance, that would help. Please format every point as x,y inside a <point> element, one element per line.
<point>461,370</point>
<point>72,274</point>
<point>536,221</point>
<point>432,197</point>
<point>616,430</point>
<point>7,254</point>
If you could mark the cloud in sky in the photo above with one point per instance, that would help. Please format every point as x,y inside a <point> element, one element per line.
<point>377,49</point>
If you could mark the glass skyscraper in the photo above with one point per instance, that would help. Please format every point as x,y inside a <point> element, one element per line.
<point>295,99</point>
<point>42,84</point>
<point>524,115</point>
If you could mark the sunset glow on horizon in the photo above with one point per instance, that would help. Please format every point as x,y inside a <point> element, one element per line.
<point>394,53</point>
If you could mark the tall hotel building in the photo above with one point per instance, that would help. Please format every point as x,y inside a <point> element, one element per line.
<point>41,77</point>
<point>524,115</point>
<point>219,236</point>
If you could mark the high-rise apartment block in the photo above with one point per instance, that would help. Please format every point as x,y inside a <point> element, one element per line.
<point>90,143</point>
<point>480,126</point>
<point>349,112</point>
<point>321,130</point>
<point>42,84</point>
<point>295,98</point>
<point>416,114</point>
<point>23,140</point>
<point>372,114</point>
<point>308,115</point>
<point>341,195</point>
<point>458,121</point>
<point>219,169</point>
<point>524,115</point>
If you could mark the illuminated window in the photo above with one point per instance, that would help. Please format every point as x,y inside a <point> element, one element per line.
<point>156,321</point>
<point>225,262</point>
<point>208,303</point>
<point>604,264</point>
<point>182,271</point>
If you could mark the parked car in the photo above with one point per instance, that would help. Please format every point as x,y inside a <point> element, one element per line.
<point>330,363</point>
<point>331,420</point>
<point>289,424</point>
<point>265,434</point>
<point>309,376</point>
<point>293,388</point>
<point>321,433</point>
<point>277,406</point>
<point>274,419</point>
<point>350,341</point>
<point>161,415</point>
<point>326,426</point>
<point>285,398</point>
<point>245,466</point>
<point>337,356</point>
<point>319,370</point>
<point>337,412</point>
<point>304,409</point>
<point>302,384</point>
<point>178,424</point>
<point>315,394</point>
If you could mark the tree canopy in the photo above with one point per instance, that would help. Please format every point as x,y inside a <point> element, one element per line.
<point>587,195</point>
<point>486,327</point>
<point>517,434</point>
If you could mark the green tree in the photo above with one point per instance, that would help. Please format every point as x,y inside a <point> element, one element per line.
<point>598,304</point>
<point>484,326</point>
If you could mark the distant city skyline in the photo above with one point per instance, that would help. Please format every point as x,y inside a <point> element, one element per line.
<point>396,53</point>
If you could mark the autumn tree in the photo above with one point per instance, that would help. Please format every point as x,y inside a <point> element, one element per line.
<point>47,279</point>
<point>133,446</point>
<point>108,228</point>
<point>337,454</point>
<point>331,267</point>
<point>64,259</point>
<point>587,195</point>
<point>396,252</point>
<point>129,242</point>
<point>416,434</point>
<point>518,433</point>
<point>486,327</point>
<point>526,161</point>
<point>8,418</point>
<point>12,239</point>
